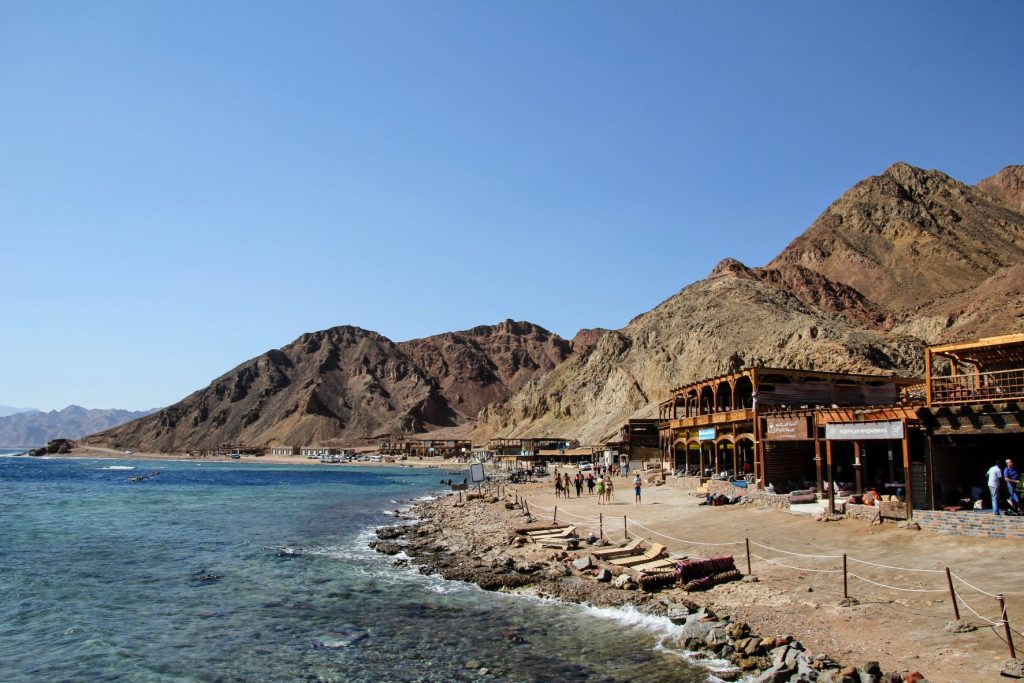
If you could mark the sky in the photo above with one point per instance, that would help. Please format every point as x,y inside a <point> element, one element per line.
<point>185,185</point>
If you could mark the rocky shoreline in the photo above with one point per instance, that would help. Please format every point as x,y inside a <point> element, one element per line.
<point>476,541</point>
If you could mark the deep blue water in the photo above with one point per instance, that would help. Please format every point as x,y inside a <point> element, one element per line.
<point>101,580</point>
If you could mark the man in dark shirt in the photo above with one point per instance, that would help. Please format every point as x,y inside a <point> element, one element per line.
<point>1012,477</point>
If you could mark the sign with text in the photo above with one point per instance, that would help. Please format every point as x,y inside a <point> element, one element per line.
<point>857,431</point>
<point>476,472</point>
<point>787,429</point>
<point>706,434</point>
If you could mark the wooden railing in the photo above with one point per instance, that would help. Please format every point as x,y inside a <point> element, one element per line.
<point>999,386</point>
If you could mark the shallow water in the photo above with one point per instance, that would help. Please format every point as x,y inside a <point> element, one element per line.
<point>178,577</point>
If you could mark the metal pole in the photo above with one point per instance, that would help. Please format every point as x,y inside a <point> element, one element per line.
<point>749,570</point>
<point>952,595</point>
<point>554,520</point>
<point>625,527</point>
<point>1006,625</point>
<point>846,593</point>
<point>460,496</point>
<point>600,523</point>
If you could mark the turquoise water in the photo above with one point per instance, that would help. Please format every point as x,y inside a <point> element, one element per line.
<point>179,578</point>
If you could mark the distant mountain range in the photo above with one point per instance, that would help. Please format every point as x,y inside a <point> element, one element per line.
<point>904,259</point>
<point>10,410</point>
<point>36,428</point>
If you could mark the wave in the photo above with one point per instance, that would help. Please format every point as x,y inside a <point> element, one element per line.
<point>116,467</point>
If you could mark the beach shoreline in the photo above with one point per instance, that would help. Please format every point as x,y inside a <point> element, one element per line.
<point>111,454</point>
<point>475,541</point>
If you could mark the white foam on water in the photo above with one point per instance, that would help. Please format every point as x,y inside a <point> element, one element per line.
<point>425,499</point>
<point>117,467</point>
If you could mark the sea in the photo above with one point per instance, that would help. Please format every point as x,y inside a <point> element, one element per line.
<point>206,571</point>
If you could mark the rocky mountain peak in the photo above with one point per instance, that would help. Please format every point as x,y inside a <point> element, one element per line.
<point>1008,186</point>
<point>730,266</point>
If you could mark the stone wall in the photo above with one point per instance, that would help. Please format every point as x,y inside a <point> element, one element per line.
<point>683,483</point>
<point>721,487</point>
<point>868,512</point>
<point>983,523</point>
<point>778,501</point>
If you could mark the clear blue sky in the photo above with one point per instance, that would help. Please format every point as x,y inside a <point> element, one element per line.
<point>184,185</point>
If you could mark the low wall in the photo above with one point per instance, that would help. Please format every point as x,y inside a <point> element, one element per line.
<point>721,487</point>
<point>778,501</point>
<point>867,512</point>
<point>983,524</point>
<point>683,483</point>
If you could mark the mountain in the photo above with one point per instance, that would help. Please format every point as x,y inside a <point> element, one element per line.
<point>343,384</point>
<point>36,428</point>
<point>9,410</point>
<point>904,259</point>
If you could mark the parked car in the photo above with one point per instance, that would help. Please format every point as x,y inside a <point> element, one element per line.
<point>585,466</point>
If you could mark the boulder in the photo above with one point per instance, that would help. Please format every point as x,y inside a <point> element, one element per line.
<point>604,576</point>
<point>1013,668</point>
<point>583,563</point>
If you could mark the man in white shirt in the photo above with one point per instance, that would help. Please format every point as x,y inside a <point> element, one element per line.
<point>995,473</point>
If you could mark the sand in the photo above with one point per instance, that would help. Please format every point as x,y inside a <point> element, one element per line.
<point>904,631</point>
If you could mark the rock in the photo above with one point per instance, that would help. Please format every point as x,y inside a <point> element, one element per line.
<point>604,576</point>
<point>473,664</point>
<point>960,626</point>
<point>849,602</point>
<point>848,672</point>
<point>583,563</point>
<point>739,630</point>
<point>914,677</point>
<point>625,582</point>
<point>912,526</point>
<point>777,674</point>
<point>750,578</point>
<point>1013,668</point>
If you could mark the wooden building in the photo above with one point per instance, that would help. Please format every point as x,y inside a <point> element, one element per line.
<point>640,441</point>
<point>283,450</point>
<point>424,448</point>
<point>974,416</point>
<point>719,426</point>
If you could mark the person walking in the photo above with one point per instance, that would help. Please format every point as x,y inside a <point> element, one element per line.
<point>994,475</point>
<point>590,483</point>
<point>567,485</point>
<point>579,484</point>
<point>1012,478</point>
<point>600,491</point>
<point>637,482</point>
<point>558,486</point>
<point>609,491</point>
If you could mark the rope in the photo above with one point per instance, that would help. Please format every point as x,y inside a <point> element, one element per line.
<point>681,540</point>
<point>894,588</point>
<point>591,520</point>
<point>901,569</point>
<point>799,569</point>
<point>974,587</point>
<point>766,547</point>
<point>985,619</point>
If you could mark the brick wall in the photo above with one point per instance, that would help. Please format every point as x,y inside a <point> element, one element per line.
<point>779,501</point>
<point>868,512</point>
<point>983,523</point>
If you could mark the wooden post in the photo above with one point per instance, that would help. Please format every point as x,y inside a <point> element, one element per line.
<point>554,520</point>
<point>817,450</point>
<point>846,592</point>
<point>625,527</point>
<point>527,507</point>
<point>831,479</point>
<point>952,595</point>
<point>749,570</point>
<point>908,496</point>
<point>858,467</point>
<point>600,525</point>
<point>460,496</point>
<point>1006,625</point>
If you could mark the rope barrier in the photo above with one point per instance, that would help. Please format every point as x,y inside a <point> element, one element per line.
<point>973,611</point>
<point>895,588</point>
<point>633,523</point>
<point>799,569</point>
<point>901,569</point>
<point>780,550</point>
<point>975,587</point>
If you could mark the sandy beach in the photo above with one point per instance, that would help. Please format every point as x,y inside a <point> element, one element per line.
<point>896,575</point>
<point>95,452</point>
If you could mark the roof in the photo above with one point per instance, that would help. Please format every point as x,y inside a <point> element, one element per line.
<point>1007,349</point>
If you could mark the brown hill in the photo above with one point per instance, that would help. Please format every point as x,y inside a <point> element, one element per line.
<point>909,236</point>
<point>731,319</point>
<point>902,259</point>
<point>343,384</point>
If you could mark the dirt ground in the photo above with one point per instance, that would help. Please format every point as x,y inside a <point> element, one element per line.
<point>900,629</point>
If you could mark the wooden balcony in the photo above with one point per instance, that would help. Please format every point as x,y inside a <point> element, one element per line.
<point>712,419</point>
<point>999,386</point>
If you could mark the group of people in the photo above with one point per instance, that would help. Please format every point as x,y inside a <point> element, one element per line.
<point>999,476</point>
<point>602,483</point>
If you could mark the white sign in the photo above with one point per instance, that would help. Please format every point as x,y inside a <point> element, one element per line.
<point>856,431</point>
<point>476,472</point>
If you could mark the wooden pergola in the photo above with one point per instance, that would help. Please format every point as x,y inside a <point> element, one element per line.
<point>989,370</point>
